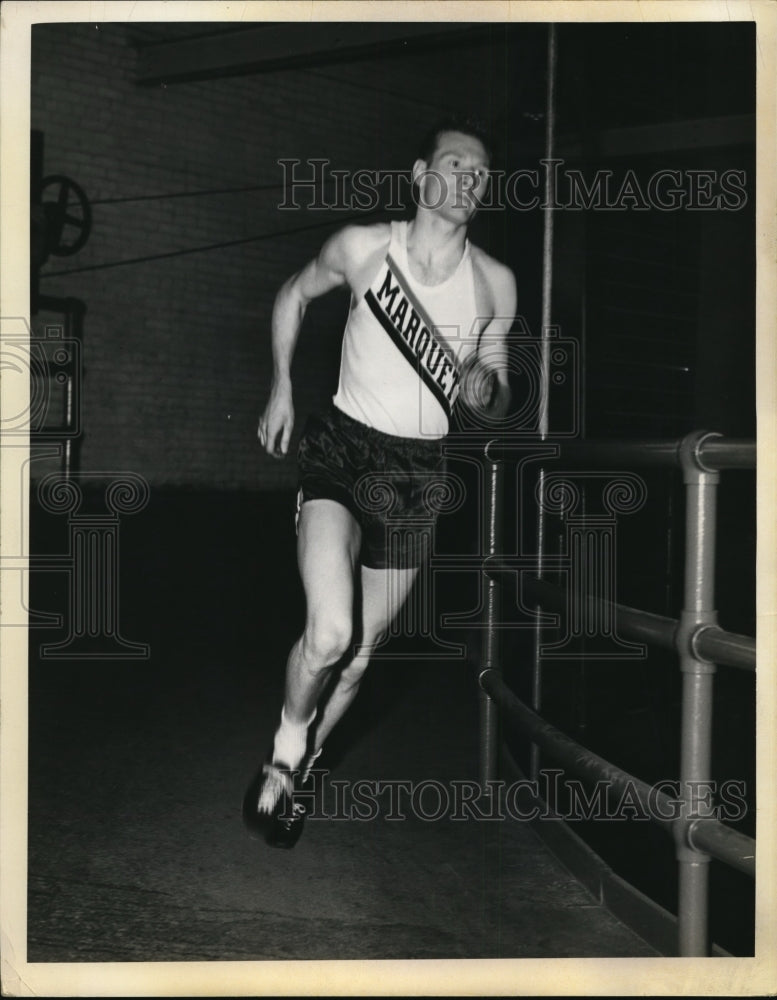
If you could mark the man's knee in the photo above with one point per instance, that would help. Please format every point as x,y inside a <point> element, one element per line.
<point>326,640</point>
<point>354,671</point>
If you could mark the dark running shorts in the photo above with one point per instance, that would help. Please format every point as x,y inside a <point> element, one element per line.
<point>388,483</point>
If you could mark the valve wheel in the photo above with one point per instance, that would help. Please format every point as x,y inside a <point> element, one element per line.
<point>68,216</point>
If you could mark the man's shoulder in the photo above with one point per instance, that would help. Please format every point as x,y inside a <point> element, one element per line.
<point>361,240</point>
<point>354,250</point>
<point>493,270</point>
<point>494,283</point>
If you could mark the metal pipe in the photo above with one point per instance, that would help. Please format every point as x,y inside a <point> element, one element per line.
<point>727,648</point>
<point>731,846</point>
<point>707,642</point>
<point>731,453</point>
<point>696,635</point>
<point>719,840</point>
<point>536,674</point>
<point>490,659</point>
<point>696,725</point>
<point>543,416</point>
<point>631,622</point>
<point>713,452</point>
<point>658,453</point>
<point>547,235</point>
<point>576,758</point>
<point>68,425</point>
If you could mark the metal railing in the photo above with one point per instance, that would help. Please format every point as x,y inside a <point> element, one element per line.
<point>695,636</point>
<point>67,372</point>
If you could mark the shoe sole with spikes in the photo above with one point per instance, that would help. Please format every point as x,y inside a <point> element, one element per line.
<point>269,809</point>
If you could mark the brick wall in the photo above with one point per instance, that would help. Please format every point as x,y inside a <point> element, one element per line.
<point>177,349</point>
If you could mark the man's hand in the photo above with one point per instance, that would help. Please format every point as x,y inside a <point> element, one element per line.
<point>277,422</point>
<point>483,391</point>
<point>498,405</point>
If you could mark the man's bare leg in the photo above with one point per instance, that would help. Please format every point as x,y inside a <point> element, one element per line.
<point>327,550</point>
<point>384,591</point>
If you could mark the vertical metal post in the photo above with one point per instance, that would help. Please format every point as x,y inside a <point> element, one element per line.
<point>547,233</point>
<point>70,324</point>
<point>547,289</point>
<point>490,658</point>
<point>696,728</point>
<point>68,425</point>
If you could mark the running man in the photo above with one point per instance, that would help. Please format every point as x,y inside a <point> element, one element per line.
<point>429,317</point>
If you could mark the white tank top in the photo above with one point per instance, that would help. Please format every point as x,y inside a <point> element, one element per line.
<point>403,346</point>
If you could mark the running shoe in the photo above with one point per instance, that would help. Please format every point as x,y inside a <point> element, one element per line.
<point>269,807</point>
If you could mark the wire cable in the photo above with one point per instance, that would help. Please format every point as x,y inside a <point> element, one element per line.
<point>210,246</point>
<point>187,194</point>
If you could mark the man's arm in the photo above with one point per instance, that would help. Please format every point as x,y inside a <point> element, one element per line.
<point>493,346</point>
<point>327,271</point>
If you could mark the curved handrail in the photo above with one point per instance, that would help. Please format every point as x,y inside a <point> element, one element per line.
<point>696,637</point>
<point>710,835</point>
<point>709,449</point>
<point>708,641</point>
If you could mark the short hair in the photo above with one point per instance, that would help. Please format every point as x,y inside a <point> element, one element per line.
<point>455,123</point>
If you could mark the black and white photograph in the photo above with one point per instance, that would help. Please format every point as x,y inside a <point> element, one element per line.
<point>387,541</point>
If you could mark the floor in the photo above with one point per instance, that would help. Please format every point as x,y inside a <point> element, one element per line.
<point>138,766</point>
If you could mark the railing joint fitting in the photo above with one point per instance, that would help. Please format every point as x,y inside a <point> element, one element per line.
<point>485,670</point>
<point>695,637</point>
<point>694,469</point>
<point>682,832</point>
<point>493,443</point>
<point>698,855</point>
<point>686,636</point>
<point>486,566</point>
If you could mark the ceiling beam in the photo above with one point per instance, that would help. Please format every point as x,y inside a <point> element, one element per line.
<point>695,133</point>
<point>283,46</point>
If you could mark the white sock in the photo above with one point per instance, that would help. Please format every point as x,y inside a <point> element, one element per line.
<point>291,741</point>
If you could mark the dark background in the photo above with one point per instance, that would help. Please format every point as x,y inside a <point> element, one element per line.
<point>174,133</point>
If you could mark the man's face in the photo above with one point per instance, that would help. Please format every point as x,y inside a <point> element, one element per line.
<point>456,177</point>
